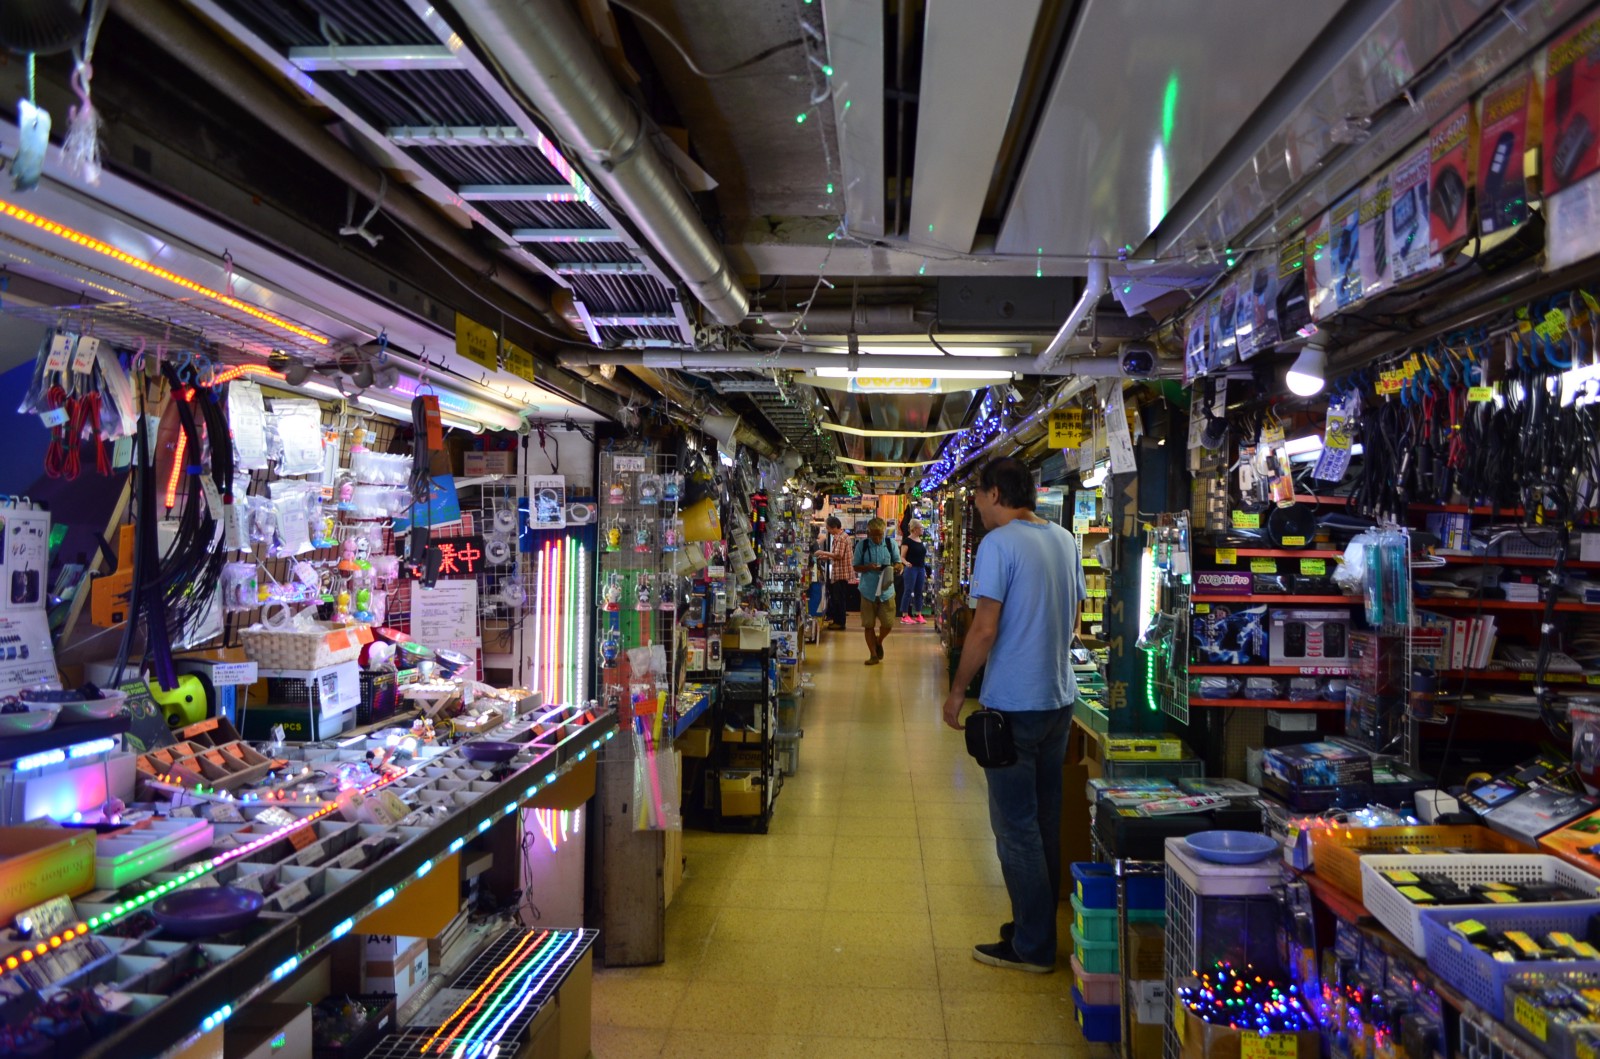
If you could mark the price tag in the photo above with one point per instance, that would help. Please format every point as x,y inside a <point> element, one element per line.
<point>247,882</point>
<point>213,496</point>
<point>1314,567</point>
<point>60,351</point>
<point>1180,1021</point>
<point>1247,520</point>
<point>309,856</point>
<point>628,463</point>
<point>1585,1050</point>
<point>301,837</point>
<point>1272,1046</point>
<point>55,417</point>
<point>338,640</point>
<point>1294,542</point>
<point>1227,557</point>
<point>227,812</point>
<point>351,858</point>
<point>232,674</point>
<point>1263,566</point>
<point>363,634</point>
<point>1530,1017</point>
<point>290,896</point>
<point>1480,394</point>
<point>83,357</point>
<point>1202,608</point>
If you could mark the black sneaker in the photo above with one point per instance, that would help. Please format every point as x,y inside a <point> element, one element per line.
<point>1003,955</point>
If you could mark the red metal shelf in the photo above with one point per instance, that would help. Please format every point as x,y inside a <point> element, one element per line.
<point>1269,671</point>
<point>1269,704</point>
<point>1510,560</point>
<point>1425,603</point>
<point>1514,676</point>
<point>1222,597</point>
<point>1463,509</point>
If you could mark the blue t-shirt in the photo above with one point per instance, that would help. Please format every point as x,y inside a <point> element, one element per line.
<point>1034,571</point>
<point>874,585</point>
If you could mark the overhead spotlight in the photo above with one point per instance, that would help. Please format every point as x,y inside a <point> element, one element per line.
<point>1138,362</point>
<point>296,372</point>
<point>1305,376</point>
<point>357,367</point>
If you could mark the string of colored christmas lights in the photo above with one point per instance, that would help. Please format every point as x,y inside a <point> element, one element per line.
<point>1244,1000</point>
<point>989,421</point>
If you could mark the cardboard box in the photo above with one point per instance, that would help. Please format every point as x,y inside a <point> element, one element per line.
<point>1305,637</point>
<point>40,862</point>
<point>1146,957</point>
<point>409,972</point>
<point>1198,1040</point>
<point>696,742</point>
<point>268,1031</point>
<point>740,795</point>
<point>1126,749</point>
<point>109,593</point>
<point>478,464</point>
<point>1219,582</point>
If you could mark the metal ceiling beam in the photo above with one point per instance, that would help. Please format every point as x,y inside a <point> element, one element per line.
<point>385,57</point>
<point>636,321</point>
<point>565,235</point>
<point>956,151</point>
<point>800,246</point>
<point>601,268</point>
<point>517,193</point>
<point>855,52</point>
<point>457,136</point>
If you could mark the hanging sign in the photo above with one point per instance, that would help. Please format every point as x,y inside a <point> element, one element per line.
<point>1066,428</point>
<point>1118,439</point>
<point>477,343</point>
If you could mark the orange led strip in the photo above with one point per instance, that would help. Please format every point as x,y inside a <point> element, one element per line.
<point>491,981</point>
<point>229,374</point>
<point>78,238</point>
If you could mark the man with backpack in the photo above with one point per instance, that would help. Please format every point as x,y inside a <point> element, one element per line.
<point>877,560</point>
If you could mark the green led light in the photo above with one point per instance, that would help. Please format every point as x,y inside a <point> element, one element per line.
<point>930,228</point>
<point>830,187</point>
<point>800,118</point>
<point>827,71</point>
<point>847,104</point>
<point>1127,288</point>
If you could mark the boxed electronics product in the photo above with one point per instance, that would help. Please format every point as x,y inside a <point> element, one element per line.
<point>477,464</point>
<point>1451,145</point>
<point>1225,634</point>
<point>1509,112</point>
<point>1306,637</point>
<point>1311,777</point>
<point>1222,582</point>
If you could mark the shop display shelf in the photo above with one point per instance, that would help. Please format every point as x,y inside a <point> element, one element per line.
<point>1404,919</point>
<point>1279,553</point>
<point>1336,852</point>
<point>1283,600</point>
<point>1480,977</point>
<point>1464,558</point>
<point>130,855</point>
<point>1270,704</point>
<point>1571,606</point>
<point>1268,671</point>
<point>334,897</point>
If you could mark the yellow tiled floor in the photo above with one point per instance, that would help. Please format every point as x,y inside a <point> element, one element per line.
<point>847,931</point>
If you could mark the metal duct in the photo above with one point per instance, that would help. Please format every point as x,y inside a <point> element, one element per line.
<point>185,38</point>
<point>1098,283</point>
<point>541,48</point>
<point>894,319</point>
<point>691,360</point>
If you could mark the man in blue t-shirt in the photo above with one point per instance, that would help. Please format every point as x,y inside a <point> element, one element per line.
<point>877,560</point>
<point>1027,580</point>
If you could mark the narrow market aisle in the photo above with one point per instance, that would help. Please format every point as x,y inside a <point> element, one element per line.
<point>848,930</point>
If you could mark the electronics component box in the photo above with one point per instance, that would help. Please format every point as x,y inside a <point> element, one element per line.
<point>1120,749</point>
<point>1222,582</point>
<point>1300,637</point>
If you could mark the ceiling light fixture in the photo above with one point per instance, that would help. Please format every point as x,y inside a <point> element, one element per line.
<point>885,463</point>
<point>88,242</point>
<point>859,432</point>
<point>1305,376</point>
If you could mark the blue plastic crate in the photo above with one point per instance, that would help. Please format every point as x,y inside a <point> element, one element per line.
<point>1099,1022</point>
<point>1479,977</point>
<point>1095,886</point>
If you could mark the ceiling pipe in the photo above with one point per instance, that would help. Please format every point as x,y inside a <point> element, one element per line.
<point>1094,287</point>
<point>186,39</point>
<point>893,319</point>
<point>691,360</point>
<point>542,49</point>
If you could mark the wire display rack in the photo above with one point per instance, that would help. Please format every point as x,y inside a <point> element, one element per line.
<point>226,333</point>
<point>640,535</point>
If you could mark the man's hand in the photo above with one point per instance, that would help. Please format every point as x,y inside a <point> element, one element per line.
<point>952,707</point>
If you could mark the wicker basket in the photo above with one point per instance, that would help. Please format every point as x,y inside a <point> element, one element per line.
<point>1336,851</point>
<point>299,649</point>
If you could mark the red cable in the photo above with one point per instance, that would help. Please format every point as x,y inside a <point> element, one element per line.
<point>55,457</point>
<point>91,406</point>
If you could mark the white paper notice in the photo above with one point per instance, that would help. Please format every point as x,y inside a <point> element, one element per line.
<point>26,658</point>
<point>446,615</point>
<point>1118,439</point>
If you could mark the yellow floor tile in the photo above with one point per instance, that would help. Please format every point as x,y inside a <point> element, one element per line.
<point>904,1013</point>
<point>847,930</point>
<point>1009,1016</point>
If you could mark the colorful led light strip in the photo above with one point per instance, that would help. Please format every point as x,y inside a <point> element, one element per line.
<point>550,960</point>
<point>228,374</point>
<point>88,242</point>
<point>55,942</point>
<point>490,981</point>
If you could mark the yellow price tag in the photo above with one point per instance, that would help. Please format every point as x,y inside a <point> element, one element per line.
<point>1247,520</point>
<point>1313,567</point>
<point>1272,1046</point>
<point>1530,1018</point>
<point>1202,608</point>
<point>1480,394</point>
<point>1180,1021</point>
<point>1227,557</point>
<point>1263,566</point>
<point>1294,542</point>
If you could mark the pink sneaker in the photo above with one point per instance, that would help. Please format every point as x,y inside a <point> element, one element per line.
<point>920,620</point>
<point>906,619</point>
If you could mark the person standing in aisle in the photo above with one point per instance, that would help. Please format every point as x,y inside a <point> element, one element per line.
<point>1027,579</point>
<point>837,552</point>
<point>916,576</point>
<point>877,561</point>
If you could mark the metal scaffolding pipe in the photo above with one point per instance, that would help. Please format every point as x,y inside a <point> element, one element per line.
<point>1097,284</point>
<point>543,49</point>
<point>691,360</point>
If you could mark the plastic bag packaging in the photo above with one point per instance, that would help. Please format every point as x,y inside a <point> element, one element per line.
<point>370,502</point>
<point>292,500</point>
<point>1386,585</point>
<point>1586,744</point>
<point>263,516</point>
<point>240,590</point>
<point>380,468</point>
<point>294,437</point>
<point>33,400</point>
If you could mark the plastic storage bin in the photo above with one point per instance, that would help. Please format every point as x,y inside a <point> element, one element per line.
<point>1097,957</point>
<point>1404,919</point>
<point>1100,924</point>
<point>1477,975</point>
<point>1094,886</point>
<point>1099,1022</point>
<point>1336,852</point>
<point>1096,988</point>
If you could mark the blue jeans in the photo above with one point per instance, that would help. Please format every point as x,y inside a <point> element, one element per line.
<point>914,580</point>
<point>1025,813</point>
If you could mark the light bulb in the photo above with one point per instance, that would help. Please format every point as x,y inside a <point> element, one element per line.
<point>1305,376</point>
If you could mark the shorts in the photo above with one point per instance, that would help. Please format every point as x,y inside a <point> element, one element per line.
<point>877,611</point>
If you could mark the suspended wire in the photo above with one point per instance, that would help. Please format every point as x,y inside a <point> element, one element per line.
<point>710,75</point>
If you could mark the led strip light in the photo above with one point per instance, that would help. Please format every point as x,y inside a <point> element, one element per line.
<point>89,242</point>
<point>512,988</point>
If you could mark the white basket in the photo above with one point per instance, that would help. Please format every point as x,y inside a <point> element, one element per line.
<point>1403,918</point>
<point>297,648</point>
